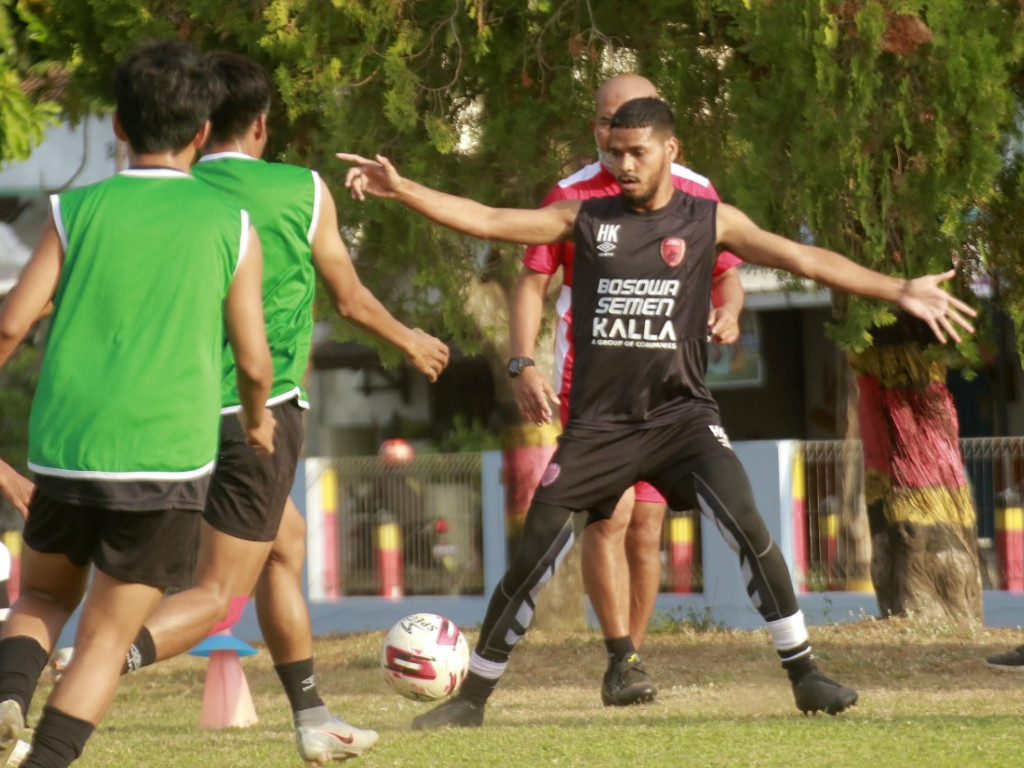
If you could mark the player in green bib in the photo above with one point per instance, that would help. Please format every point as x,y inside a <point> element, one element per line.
<point>146,271</point>
<point>251,534</point>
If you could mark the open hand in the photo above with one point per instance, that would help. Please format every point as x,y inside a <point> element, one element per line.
<point>924,299</point>
<point>534,396</point>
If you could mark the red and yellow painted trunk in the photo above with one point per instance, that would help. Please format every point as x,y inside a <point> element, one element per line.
<point>923,523</point>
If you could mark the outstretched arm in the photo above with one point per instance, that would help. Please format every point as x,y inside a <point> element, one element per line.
<point>355,302</point>
<point>921,297</point>
<point>514,225</point>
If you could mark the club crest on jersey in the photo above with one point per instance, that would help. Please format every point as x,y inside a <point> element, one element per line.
<point>673,250</point>
<point>607,239</point>
<point>551,474</point>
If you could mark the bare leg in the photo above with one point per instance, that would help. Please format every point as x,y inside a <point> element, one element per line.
<point>280,605</point>
<point>112,615</point>
<point>227,567</point>
<point>284,621</point>
<point>643,553</point>
<point>51,588</point>
<point>606,574</point>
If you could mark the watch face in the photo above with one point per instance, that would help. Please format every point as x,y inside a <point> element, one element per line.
<point>517,364</point>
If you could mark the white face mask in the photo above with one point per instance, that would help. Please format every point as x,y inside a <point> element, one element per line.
<point>604,158</point>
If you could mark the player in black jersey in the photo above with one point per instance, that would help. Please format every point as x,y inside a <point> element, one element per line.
<point>639,298</point>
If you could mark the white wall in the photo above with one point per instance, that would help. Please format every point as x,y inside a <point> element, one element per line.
<point>68,157</point>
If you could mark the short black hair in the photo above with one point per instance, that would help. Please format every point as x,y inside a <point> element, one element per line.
<point>164,94</point>
<point>648,112</point>
<point>245,92</point>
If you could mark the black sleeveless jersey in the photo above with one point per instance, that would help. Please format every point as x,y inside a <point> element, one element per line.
<point>640,300</point>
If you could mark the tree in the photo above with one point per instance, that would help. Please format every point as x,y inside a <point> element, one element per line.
<point>871,126</point>
<point>25,109</point>
<point>877,125</point>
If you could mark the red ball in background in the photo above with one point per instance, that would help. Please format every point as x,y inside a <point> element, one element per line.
<point>396,452</point>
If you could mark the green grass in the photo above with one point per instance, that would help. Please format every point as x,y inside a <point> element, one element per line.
<point>926,700</point>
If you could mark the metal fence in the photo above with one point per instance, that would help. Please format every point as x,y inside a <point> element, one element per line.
<point>412,529</point>
<point>838,542</point>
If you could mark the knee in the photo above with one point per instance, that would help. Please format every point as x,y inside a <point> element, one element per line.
<point>289,551</point>
<point>645,526</point>
<point>610,531</point>
<point>34,600</point>
<point>546,538</point>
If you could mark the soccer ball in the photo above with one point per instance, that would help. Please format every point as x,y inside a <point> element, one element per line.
<point>425,657</point>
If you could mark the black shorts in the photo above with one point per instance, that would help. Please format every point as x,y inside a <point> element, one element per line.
<point>153,548</point>
<point>591,469</point>
<point>248,493</point>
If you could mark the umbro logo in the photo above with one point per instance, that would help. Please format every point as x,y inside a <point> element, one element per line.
<point>607,239</point>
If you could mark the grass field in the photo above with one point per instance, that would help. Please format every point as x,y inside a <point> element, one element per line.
<point>926,700</point>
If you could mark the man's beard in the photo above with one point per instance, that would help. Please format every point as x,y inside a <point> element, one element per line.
<point>641,200</point>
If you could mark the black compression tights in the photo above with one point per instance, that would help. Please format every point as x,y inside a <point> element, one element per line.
<point>547,537</point>
<point>721,490</point>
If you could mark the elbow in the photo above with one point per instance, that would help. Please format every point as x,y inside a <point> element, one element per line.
<point>346,310</point>
<point>356,306</point>
<point>11,334</point>
<point>257,370</point>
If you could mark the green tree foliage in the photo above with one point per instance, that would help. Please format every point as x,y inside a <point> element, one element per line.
<point>872,125</point>
<point>24,109</point>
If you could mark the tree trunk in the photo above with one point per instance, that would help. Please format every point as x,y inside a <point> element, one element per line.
<point>854,532</point>
<point>922,519</point>
<point>527,449</point>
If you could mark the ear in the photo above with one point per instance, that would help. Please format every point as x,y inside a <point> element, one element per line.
<point>259,127</point>
<point>118,130</point>
<point>202,135</point>
<point>674,148</point>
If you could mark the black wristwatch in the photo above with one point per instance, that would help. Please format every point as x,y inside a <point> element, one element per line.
<point>517,364</point>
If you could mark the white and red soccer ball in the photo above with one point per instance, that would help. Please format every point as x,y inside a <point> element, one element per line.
<point>424,657</point>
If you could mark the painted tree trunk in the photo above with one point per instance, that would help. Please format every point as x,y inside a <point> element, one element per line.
<point>922,520</point>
